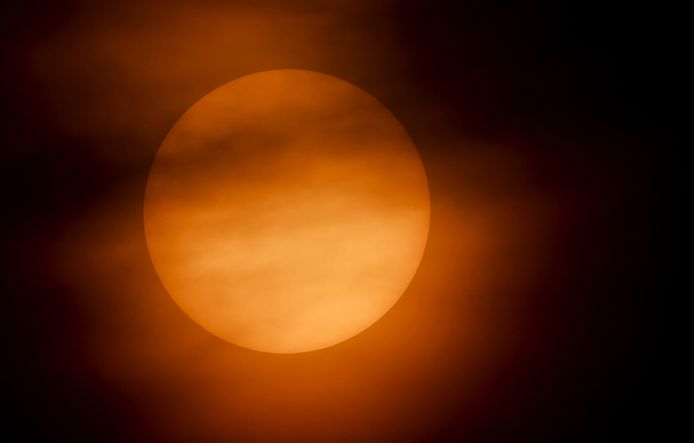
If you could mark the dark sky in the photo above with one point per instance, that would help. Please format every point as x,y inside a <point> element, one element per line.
<point>566,107</point>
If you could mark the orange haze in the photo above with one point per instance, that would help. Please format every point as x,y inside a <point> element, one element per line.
<point>137,71</point>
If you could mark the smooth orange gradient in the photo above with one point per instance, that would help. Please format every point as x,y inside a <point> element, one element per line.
<point>286,211</point>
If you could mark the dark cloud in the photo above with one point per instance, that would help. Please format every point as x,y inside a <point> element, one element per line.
<point>545,130</point>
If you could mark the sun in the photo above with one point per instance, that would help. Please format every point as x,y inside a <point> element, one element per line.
<point>286,211</point>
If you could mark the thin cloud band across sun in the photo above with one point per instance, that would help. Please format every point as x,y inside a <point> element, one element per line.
<point>286,211</point>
